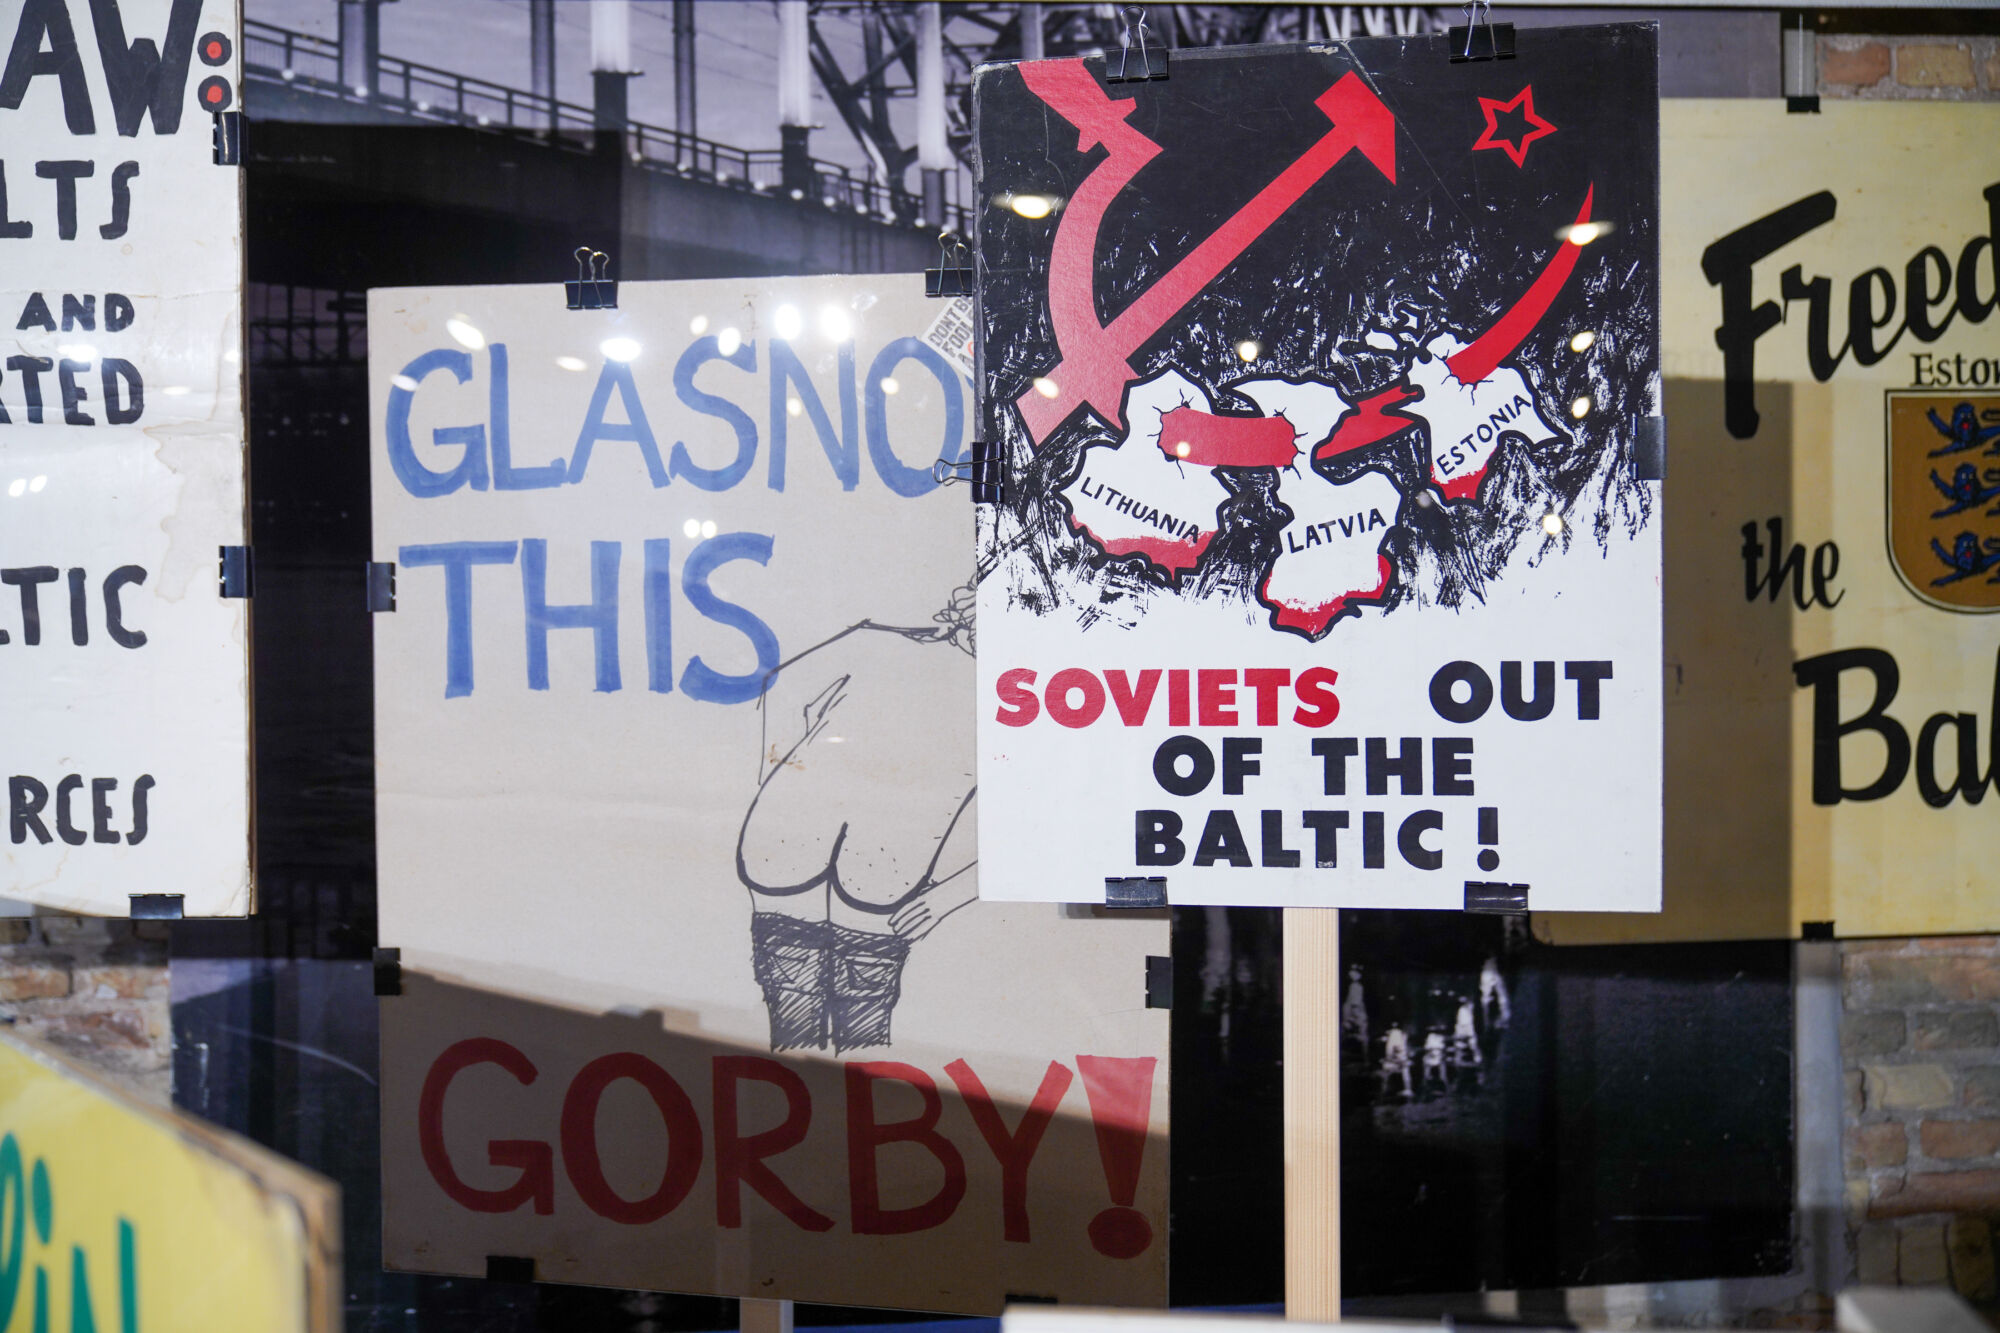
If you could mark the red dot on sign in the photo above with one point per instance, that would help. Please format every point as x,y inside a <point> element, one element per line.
<point>215,94</point>
<point>215,50</point>
<point>1120,1233</point>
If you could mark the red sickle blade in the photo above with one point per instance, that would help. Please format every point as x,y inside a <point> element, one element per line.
<point>1095,364</point>
<point>1473,364</point>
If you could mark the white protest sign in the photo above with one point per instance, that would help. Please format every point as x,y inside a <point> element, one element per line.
<point>121,457</point>
<point>675,822</point>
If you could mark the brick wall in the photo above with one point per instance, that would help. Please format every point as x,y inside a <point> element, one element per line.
<point>1909,68</point>
<point>94,989</point>
<point>1920,1042</point>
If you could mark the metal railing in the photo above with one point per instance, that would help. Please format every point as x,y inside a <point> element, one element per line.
<point>303,62</point>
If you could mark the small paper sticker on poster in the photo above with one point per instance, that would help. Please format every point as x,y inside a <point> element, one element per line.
<point>1326,572</point>
<point>125,669</point>
<point>676,810</point>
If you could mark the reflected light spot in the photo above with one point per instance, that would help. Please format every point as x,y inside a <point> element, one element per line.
<point>1032,206</point>
<point>1580,408</point>
<point>1248,350</point>
<point>1046,388</point>
<point>834,323</point>
<point>793,406</point>
<point>619,349</point>
<point>1552,524</point>
<point>787,322</point>
<point>835,740</point>
<point>462,329</point>
<point>708,528</point>
<point>176,390</point>
<point>1181,449</point>
<point>1583,341</point>
<point>1583,233</point>
<point>403,382</point>
<point>727,341</point>
<point>78,351</point>
<point>890,386</point>
<point>18,487</point>
<point>570,362</point>
<point>36,485</point>
<point>691,528</point>
<point>698,325</point>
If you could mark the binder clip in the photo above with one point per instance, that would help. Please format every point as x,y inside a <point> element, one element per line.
<point>1152,60</point>
<point>1480,38</point>
<point>953,275</point>
<point>591,290</point>
<point>982,470</point>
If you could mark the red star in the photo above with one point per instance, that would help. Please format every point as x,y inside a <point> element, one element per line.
<point>1530,127</point>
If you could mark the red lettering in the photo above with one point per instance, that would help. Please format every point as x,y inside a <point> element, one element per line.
<point>739,1159</point>
<point>1267,681</point>
<point>1018,705</point>
<point>1216,689</point>
<point>1014,1151</point>
<point>579,1138</point>
<point>532,1158</point>
<point>1177,697</point>
<point>1315,688</point>
<point>1133,705</point>
<point>865,1139</point>
<point>1057,697</point>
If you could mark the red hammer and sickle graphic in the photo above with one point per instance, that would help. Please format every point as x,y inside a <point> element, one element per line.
<point>1095,362</point>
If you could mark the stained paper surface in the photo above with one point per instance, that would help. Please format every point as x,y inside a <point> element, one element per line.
<point>121,458</point>
<point>1327,570</point>
<point>676,814</point>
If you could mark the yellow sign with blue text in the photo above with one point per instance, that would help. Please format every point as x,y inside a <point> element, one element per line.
<point>117,1217</point>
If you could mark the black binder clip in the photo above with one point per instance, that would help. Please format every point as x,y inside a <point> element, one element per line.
<point>982,470</point>
<point>1152,60</point>
<point>591,290</point>
<point>953,275</point>
<point>1480,38</point>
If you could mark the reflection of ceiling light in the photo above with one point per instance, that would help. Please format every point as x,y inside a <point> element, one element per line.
<point>708,527</point>
<point>78,351</point>
<point>1248,350</point>
<point>620,349</point>
<point>728,341</point>
<point>787,322</point>
<point>462,329</point>
<point>1583,233</point>
<point>1032,206</point>
<point>37,484</point>
<point>835,740</point>
<point>176,390</point>
<point>698,325</point>
<point>403,382</point>
<point>570,362</point>
<point>1582,342</point>
<point>1181,449</point>
<point>1580,408</point>
<point>793,406</point>
<point>834,323</point>
<point>889,385</point>
<point>1552,524</point>
<point>17,487</point>
<point>1046,388</point>
<point>691,528</point>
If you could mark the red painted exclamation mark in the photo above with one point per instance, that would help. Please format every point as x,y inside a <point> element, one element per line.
<point>1121,1103</point>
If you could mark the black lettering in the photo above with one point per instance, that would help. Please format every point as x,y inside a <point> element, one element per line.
<point>1410,839</point>
<point>1822,674</point>
<point>1477,681</point>
<point>1277,856</point>
<point>27,579</point>
<point>1919,299</point>
<point>1826,564</point>
<point>1817,292</point>
<point>114,615</point>
<point>1201,765</point>
<point>35,314</point>
<point>79,312</point>
<point>11,230</point>
<point>26,798</point>
<point>143,785</point>
<point>30,369</point>
<point>121,220</point>
<point>1728,264</point>
<point>117,308</point>
<point>1371,840</point>
<point>1325,826</point>
<point>1451,757</point>
<point>1587,676</point>
<point>1528,710</point>
<point>1970,305</point>
<point>73,394</point>
<point>140,77</point>
<point>65,829</point>
<point>1334,752</point>
<point>1156,836</point>
<point>48,20</point>
<point>79,610</point>
<point>1238,762</point>
<point>122,408</point>
<point>65,174</point>
<point>1862,321</point>
<point>1407,766</point>
<point>100,810</point>
<point>1221,840</point>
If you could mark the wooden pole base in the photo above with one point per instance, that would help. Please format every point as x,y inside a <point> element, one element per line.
<point>1312,1114</point>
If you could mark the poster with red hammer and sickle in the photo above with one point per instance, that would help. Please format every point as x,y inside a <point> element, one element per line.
<point>1322,383</point>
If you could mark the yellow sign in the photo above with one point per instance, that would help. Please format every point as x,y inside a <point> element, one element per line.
<point>117,1217</point>
<point>1830,330</point>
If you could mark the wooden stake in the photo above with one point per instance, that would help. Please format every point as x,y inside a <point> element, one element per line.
<point>1312,1114</point>
<point>759,1316</point>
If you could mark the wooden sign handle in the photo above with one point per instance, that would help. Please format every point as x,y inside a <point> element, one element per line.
<point>1312,1114</point>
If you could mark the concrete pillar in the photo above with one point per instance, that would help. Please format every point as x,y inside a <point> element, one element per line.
<point>933,144</point>
<point>542,52</point>
<point>1033,45</point>
<point>611,63</point>
<point>684,70</point>
<point>360,46</point>
<point>795,97</point>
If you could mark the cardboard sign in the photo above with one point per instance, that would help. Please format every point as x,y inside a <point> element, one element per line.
<point>676,811</point>
<point>121,457</point>
<point>130,1217</point>
<point>1833,400</point>
<point>1327,571</point>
